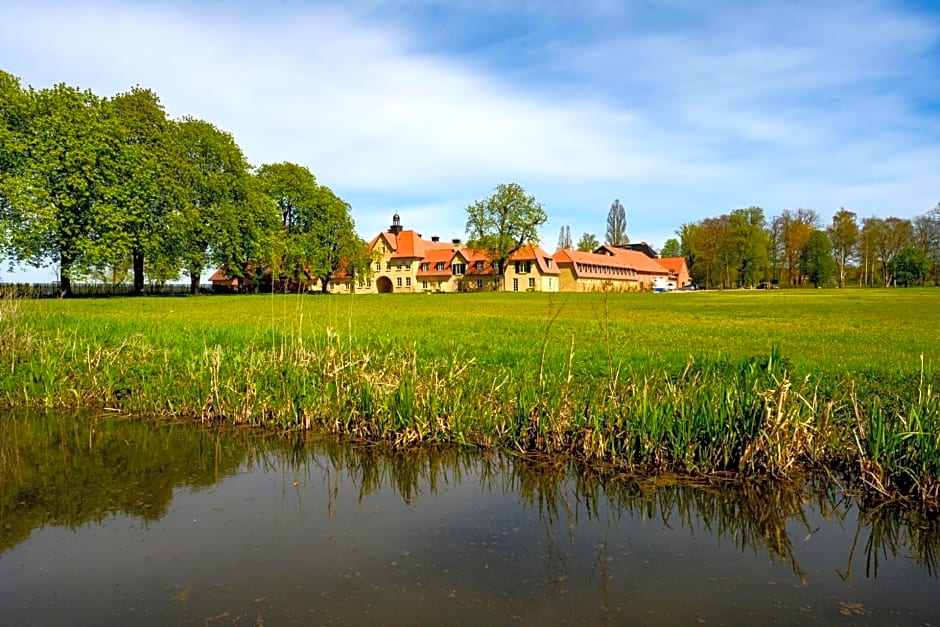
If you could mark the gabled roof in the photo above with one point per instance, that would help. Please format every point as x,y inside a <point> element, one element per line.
<point>630,261</point>
<point>637,260</point>
<point>440,255</point>
<point>674,264</point>
<point>474,256</point>
<point>408,244</point>
<point>531,252</point>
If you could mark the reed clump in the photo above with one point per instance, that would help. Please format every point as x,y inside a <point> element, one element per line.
<point>747,418</point>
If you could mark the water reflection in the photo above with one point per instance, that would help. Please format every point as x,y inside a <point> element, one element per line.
<point>220,519</point>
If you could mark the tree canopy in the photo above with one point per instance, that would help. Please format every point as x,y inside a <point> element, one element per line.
<point>65,193</point>
<point>504,221</point>
<point>816,262</point>
<point>671,248</point>
<point>910,266</point>
<point>564,238</point>
<point>588,243</point>
<point>617,225</point>
<point>843,234</point>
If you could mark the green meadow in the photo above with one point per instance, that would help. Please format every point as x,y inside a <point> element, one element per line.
<point>721,384</point>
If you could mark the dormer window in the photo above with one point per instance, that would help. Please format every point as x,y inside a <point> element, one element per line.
<point>439,266</point>
<point>459,268</point>
<point>479,265</point>
<point>425,267</point>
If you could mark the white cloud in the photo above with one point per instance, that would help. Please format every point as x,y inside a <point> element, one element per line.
<point>680,111</point>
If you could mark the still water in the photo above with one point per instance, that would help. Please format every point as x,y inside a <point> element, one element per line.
<point>107,521</point>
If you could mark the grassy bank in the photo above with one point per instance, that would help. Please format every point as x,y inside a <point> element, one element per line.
<point>746,384</point>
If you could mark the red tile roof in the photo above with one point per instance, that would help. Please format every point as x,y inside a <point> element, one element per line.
<point>636,259</point>
<point>674,264</point>
<point>594,265</point>
<point>447,256</point>
<point>474,256</point>
<point>530,252</point>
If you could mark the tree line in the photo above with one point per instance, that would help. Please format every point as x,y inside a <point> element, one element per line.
<point>106,187</point>
<point>743,248</point>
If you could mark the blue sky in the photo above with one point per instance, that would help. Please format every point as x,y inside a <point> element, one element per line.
<point>681,109</point>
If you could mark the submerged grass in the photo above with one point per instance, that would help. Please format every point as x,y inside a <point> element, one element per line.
<point>621,382</point>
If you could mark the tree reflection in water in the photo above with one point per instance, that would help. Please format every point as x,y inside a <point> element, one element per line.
<point>58,470</point>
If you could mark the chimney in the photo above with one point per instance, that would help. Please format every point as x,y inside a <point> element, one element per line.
<point>456,241</point>
<point>435,238</point>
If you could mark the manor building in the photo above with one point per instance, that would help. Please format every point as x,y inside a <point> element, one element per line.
<point>403,261</point>
<point>609,268</point>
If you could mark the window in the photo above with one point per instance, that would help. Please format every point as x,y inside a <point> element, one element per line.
<point>479,265</point>
<point>548,262</point>
<point>368,282</point>
<point>459,268</point>
<point>515,285</point>
<point>438,285</point>
<point>407,265</point>
<point>398,266</point>
<point>388,265</point>
<point>378,266</point>
<point>523,267</point>
<point>439,266</point>
<point>408,281</point>
<point>532,283</point>
<point>425,267</point>
<point>424,285</point>
<point>479,282</point>
<point>399,281</point>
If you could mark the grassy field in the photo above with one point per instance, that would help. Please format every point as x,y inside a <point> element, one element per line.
<point>742,382</point>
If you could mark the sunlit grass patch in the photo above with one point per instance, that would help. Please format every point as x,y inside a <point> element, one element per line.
<point>746,383</point>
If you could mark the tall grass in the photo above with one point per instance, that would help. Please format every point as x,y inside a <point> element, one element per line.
<point>737,417</point>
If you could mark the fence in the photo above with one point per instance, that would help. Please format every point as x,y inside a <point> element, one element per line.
<point>97,290</point>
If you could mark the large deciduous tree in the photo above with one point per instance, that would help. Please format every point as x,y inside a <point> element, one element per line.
<point>564,238</point>
<point>317,235</point>
<point>504,221</point>
<point>792,230</point>
<point>151,188</point>
<point>745,243</point>
<point>588,243</point>
<point>216,222</point>
<point>843,234</point>
<point>887,237</point>
<point>63,199</point>
<point>910,266</point>
<point>335,247</point>
<point>927,238</point>
<point>14,123</point>
<point>671,248</point>
<point>293,189</point>
<point>726,250</point>
<point>617,225</point>
<point>816,262</point>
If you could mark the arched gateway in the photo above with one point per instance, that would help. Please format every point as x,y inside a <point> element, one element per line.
<point>384,285</point>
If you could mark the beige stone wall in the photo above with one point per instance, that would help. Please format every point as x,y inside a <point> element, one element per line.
<point>486,283</point>
<point>532,281</point>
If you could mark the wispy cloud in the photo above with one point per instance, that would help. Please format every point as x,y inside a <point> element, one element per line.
<point>680,109</point>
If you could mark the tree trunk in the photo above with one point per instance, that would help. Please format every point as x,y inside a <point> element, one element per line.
<point>841,271</point>
<point>194,283</point>
<point>65,282</point>
<point>138,259</point>
<point>324,284</point>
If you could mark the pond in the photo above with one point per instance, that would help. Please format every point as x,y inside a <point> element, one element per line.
<point>112,521</point>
